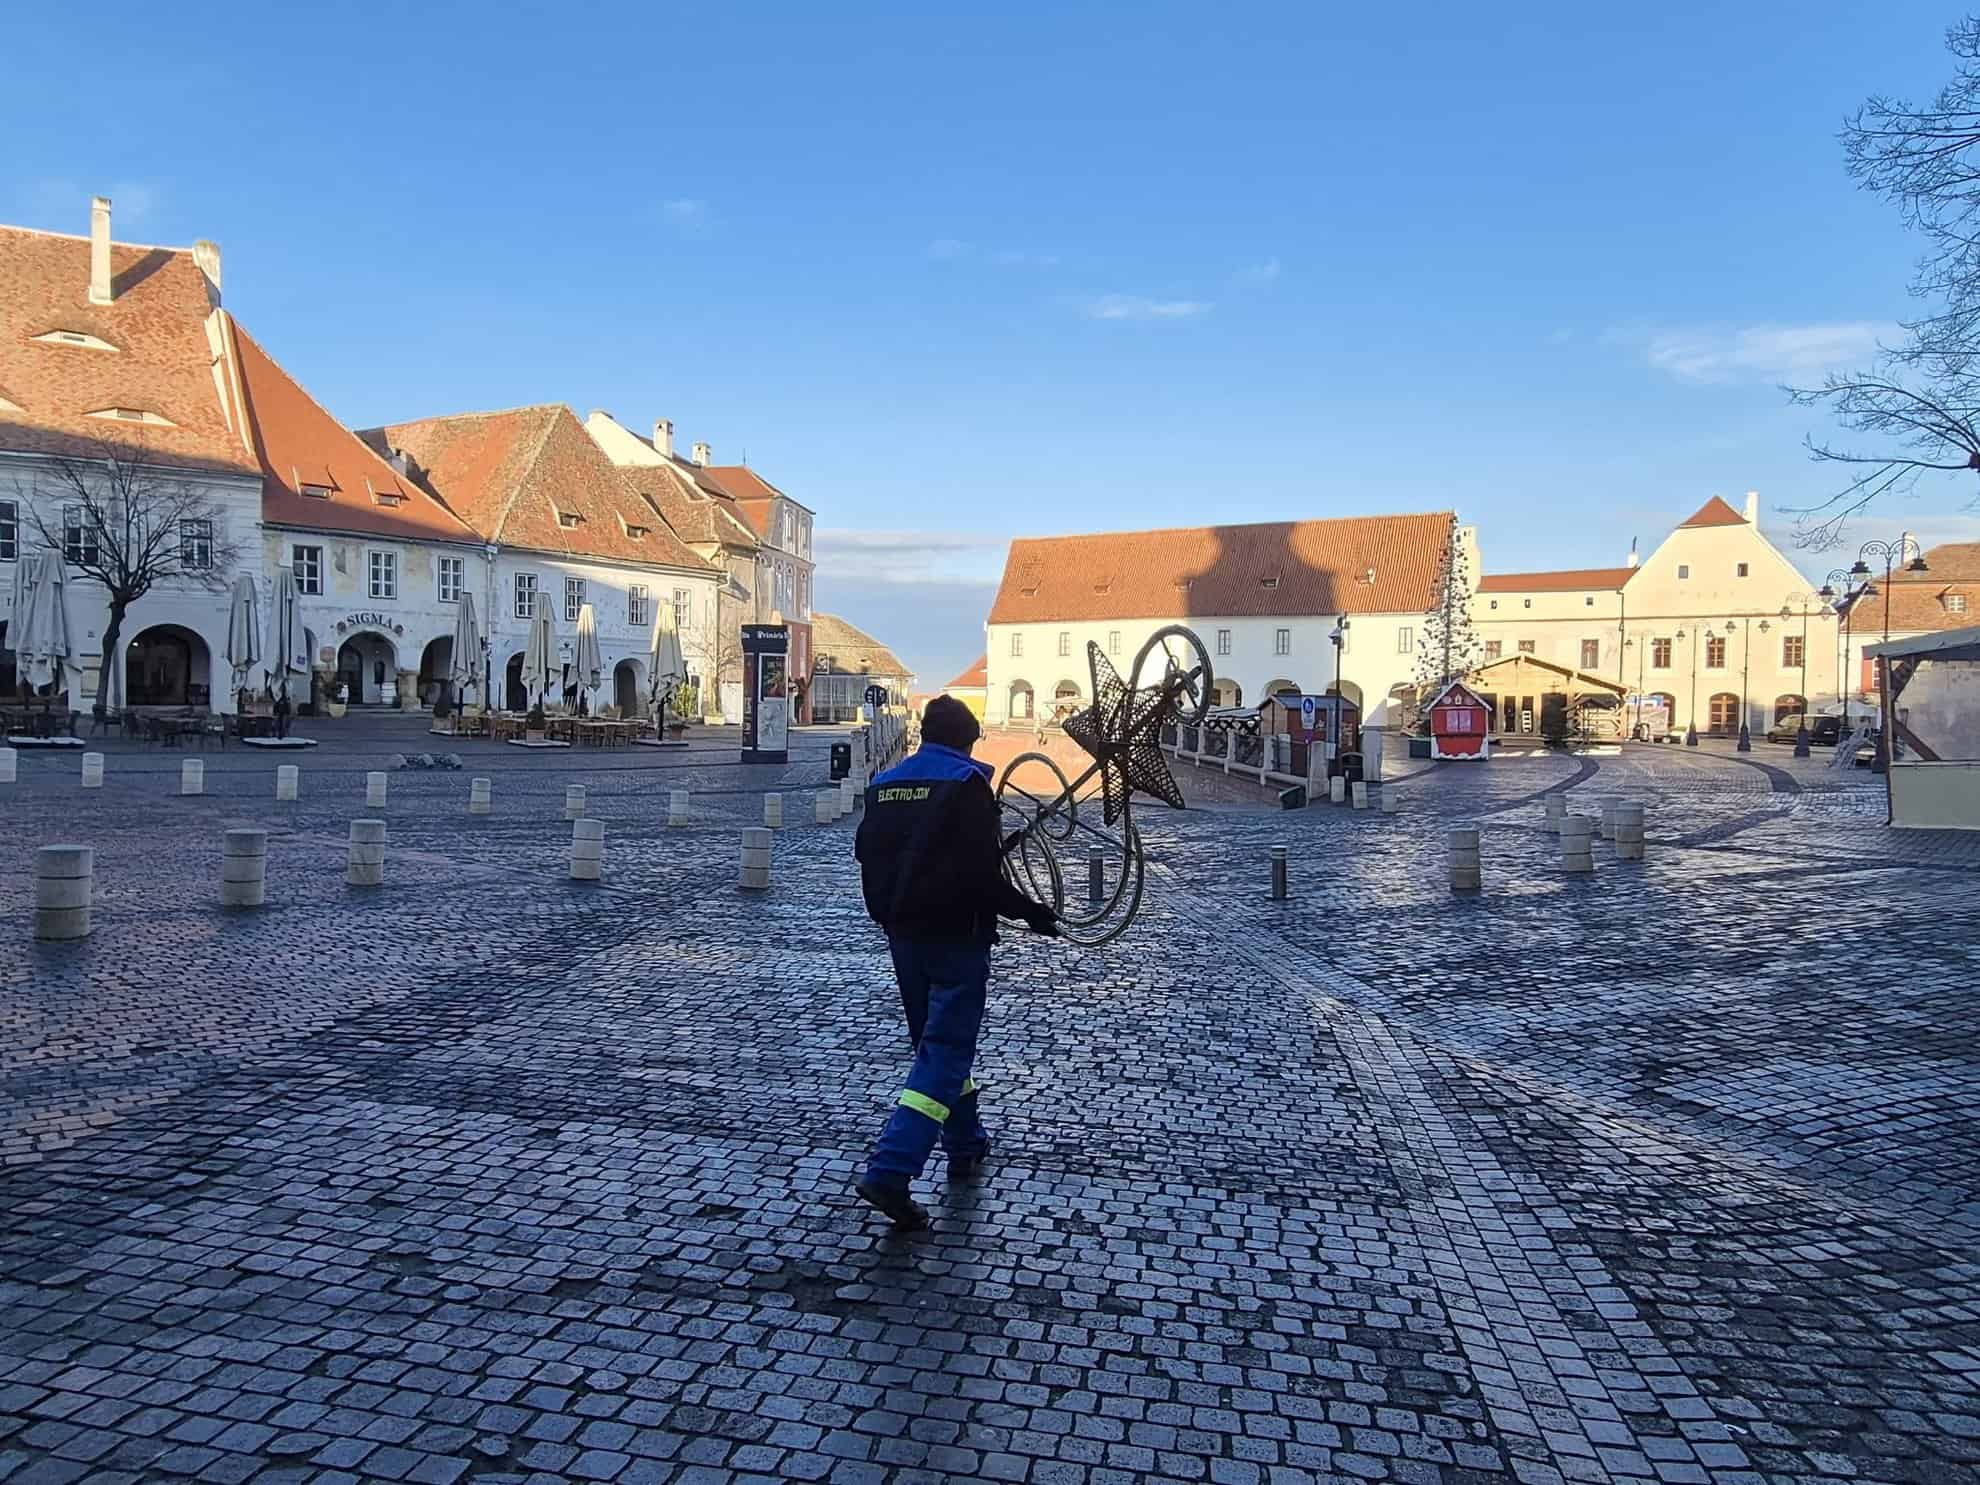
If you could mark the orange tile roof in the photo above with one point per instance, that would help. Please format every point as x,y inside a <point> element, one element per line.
<point>1568,580</point>
<point>511,474</point>
<point>299,443</point>
<point>753,494</point>
<point>694,513</point>
<point>973,679</point>
<point>1918,602</point>
<point>163,363</point>
<point>1714,512</point>
<point>1354,564</point>
<point>1955,559</point>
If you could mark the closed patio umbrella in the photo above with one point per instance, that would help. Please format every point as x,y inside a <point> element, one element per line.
<point>465,668</point>
<point>539,656</point>
<point>43,652</point>
<point>243,630</point>
<point>17,604</point>
<point>288,641</point>
<point>665,669</point>
<point>587,661</point>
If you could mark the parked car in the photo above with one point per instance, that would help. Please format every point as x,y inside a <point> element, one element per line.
<point>1823,731</point>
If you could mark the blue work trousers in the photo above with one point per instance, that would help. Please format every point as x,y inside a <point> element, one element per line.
<point>942,991</point>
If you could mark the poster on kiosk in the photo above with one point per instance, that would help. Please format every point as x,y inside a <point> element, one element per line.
<point>766,693</point>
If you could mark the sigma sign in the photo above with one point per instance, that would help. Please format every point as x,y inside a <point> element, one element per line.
<point>366,619</point>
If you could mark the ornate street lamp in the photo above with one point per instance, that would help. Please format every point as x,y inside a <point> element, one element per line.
<point>1891,553</point>
<point>1339,637</point>
<point>1691,717</point>
<point>1793,604</point>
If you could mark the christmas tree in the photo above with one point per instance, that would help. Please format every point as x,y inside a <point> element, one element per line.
<point>1447,648</point>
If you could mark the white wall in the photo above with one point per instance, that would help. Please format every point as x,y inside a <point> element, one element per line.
<point>237,501</point>
<point>1375,658</point>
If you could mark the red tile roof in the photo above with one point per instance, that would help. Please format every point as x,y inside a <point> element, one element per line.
<point>973,679</point>
<point>1918,603</point>
<point>1714,512</point>
<point>163,362</point>
<point>754,495</point>
<point>511,474</point>
<point>301,444</point>
<point>1354,564</point>
<point>694,513</point>
<point>1569,580</point>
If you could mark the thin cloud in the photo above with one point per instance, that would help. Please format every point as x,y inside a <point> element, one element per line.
<point>1258,275</point>
<point>1758,353</point>
<point>687,215</point>
<point>1137,307</point>
<point>905,554</point>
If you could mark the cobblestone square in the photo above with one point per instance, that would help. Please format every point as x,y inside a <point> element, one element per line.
<point>1669,1174</point>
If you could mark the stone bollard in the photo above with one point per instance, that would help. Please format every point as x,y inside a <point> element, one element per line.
<point>773,811</point>
<point>1556,812</point>
<point>1577,844</point>
<point>1360,796</point>
<point>1608,825</point>
<point>374,790</point>
<point>1096,875</point>
<point>677,806</point>
<point>192,777</point>
<point>846,797</point>
<point>1279,892</point>
<point>573,801</point>
<point>825,806</point>
<point>9,765</point>
<point>754,875</point>
<point>1337,789</point>
<point>1467,875</point>
<point>62,889</point>
<point>288,779</point>
<point>366,867</point>
<point>92,774</point>
<point>1629,832</point>
<point>587,850</point>
<point>244,868</point>
<point>479,796</point>
<point>1391,800</point>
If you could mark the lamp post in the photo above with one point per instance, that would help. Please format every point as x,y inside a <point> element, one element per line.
<point>1636,720</point>
<point>1822,599</point>
<point>1339,637</point>
<point>1837,584</point>
<point>1891,553</point>
<point>1745,743</point>
<point>1691,716</point>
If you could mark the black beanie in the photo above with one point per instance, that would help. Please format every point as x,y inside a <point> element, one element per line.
<point>951,724</point>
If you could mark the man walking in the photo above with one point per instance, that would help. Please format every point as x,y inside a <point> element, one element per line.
<point>931,866</point>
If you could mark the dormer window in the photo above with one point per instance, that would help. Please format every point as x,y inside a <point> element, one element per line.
<point>567,519</point>
<point>1955,603</point>
<point>1270,584</point>
<point>316,492</point>
<point>635,533</point>
<point>75,337</point>
<point>133,415</point>
<point>390,499</point>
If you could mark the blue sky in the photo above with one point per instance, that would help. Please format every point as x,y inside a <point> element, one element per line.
<point>952,276</point>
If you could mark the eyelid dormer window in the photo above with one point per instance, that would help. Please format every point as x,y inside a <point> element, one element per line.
<point>76,338</point>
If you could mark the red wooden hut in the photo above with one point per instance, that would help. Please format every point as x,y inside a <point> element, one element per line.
<point>1460,723</point>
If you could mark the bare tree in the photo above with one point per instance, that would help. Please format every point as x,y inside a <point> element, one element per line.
<point>128,525</point>
<point>1919,410</point>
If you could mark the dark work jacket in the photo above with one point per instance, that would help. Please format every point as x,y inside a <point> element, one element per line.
<point>930,857</point>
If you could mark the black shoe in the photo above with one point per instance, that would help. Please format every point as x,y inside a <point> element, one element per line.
<point>964,1169</point>
<point>893,1203</point>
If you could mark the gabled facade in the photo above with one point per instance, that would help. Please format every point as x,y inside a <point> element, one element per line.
<point>1264,599</point>
<point>1715,621</point>
<point>848,661</point>
<point>1945,596</point>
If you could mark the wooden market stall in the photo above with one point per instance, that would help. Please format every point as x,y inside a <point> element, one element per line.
<point>1931,722</point>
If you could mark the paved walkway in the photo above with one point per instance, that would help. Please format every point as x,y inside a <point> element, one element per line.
<point>1668,1175</point>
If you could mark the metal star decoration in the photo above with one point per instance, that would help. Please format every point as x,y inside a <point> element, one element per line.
<point>1121,732</point>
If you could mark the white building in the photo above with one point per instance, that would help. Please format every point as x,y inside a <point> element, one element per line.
<point>559,525</point>
<point>122,352</point>
<point>1264,599</point>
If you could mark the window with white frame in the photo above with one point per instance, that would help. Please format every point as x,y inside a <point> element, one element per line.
<point>1492,648</point>
<point>1065,642</point>
<point>384,571</point>
<point>10,531</point>
<point>636,605</point>
<point>453,578</point>
<point>80,544</point>
<point>195,545</point>
<point>1113,641</point>
<point>1791,651</point>
<point>1017,646</point>
<point>1526,647</point>
<point>1591,653</point>
<point>683,603</point>
<point>1955,603</point>
<point>306,565</point>
<point>1223,641</point>
<point>525,595</point>
<point>1405,639</point>
<point>1282,642</point>
<point>1660,654</point>
<point>573,598</point>
<point>1715,652</point>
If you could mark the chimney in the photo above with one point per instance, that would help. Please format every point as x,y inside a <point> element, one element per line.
<point>703,455</point>
<point>401,461</point>
<point>1753,507</point>
<point>663,438</point>
<point>99,250</point>
<point>1633,558</point>
<point>206,255</point>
